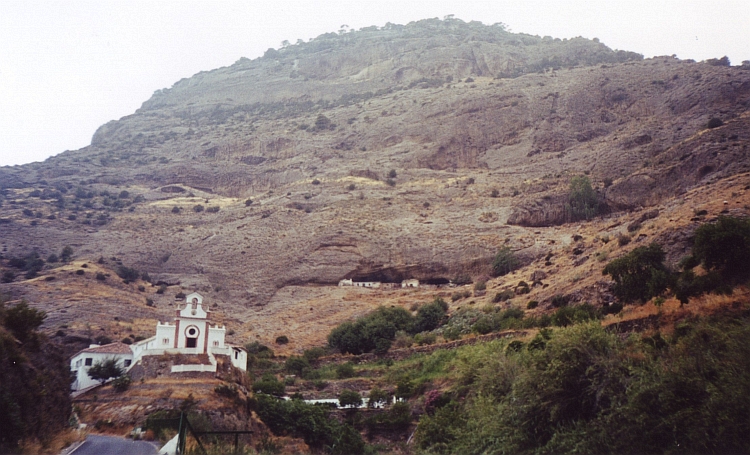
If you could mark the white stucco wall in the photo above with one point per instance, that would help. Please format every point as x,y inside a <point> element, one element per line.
<point>216,337</point>
<point>239,358</point>
<point>80,369</point>
<point>164,332</point>
<point>199,326</point>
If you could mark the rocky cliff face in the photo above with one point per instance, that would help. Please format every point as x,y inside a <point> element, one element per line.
<point>289,158</point>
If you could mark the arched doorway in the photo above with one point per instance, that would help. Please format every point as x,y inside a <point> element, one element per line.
<point>191,336</point>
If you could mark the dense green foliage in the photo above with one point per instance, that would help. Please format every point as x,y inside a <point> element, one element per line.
<point>724,247</point>
<point>32,264</point>
<point>128,273</point>
<point>102,371</point>
<point>397,418</point>
<point>296,365</point>
<point>269,385</point>
<point>22,320</point>
<point>583,202</point>
<point>377,330</point>
<point>350,399</point>
<point>430,316</point>
<point>588,391</point>
<point>310,422</point>
<point>639,275</point>
<point>373,332</point>
<point>34,379</point>
<point>504,262</point>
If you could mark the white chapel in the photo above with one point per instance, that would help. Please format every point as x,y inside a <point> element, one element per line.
<point>189,333</point>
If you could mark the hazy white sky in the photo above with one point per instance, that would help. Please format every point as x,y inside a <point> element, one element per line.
<point>67,67</point>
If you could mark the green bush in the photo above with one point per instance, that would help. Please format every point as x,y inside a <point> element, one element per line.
<point>461,279</point>
<point>425,338</point>
<point>430,316</point>
<point>569,315</point>
<point>397,418</point>
<point>122,383</point>
<point>345,370</point>
<point>127,273</point>
<point>375,330</point>
<point>269,385</point>
<point>296,365</point>
<point>259,350</point>
<point>583,202</point>
<point>312,423</point>
<point>639,275</point>
<point>323,123</point>
<point>724,247</point>
<point>504,262</point>
<point>282,339</point>
<point>503,296</point>
<point>313,354</point>
<point>22,320</point>
<point>349,399</point>
<point>458,295</point>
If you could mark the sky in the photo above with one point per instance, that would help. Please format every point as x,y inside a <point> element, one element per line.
<point>68,67</point>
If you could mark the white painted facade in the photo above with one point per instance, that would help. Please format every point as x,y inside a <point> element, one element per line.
<point>190,333</point>
<point>81,362</point>
<point>410,283</point>
<point>359,284</point>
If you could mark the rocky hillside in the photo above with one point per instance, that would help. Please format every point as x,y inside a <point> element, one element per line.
<point>386,153</point>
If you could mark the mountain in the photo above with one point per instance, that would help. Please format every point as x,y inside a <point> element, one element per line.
<point>407,151</point>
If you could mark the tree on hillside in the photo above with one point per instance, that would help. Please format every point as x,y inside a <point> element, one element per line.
<point>102,371</point>
<point>724,246</point>
<point>349,399</point>
<point>66,254</point>
<point>639,275</point>
<point>430,316</point>
<point>505,262</point>
<point>23,320</point>
<point>583,202</point>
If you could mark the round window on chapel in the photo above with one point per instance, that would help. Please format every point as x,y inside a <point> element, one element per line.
<point>191,332</point>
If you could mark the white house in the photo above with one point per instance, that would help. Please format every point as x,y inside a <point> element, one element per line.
<point>189,333</point>
<point>410,283</point>
<point>80,362</point>
<point>359,284</point>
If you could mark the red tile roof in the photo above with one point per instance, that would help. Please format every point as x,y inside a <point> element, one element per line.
<point>112,348</point>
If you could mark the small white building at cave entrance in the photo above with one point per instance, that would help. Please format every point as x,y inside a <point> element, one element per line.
<point>189,333</point>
